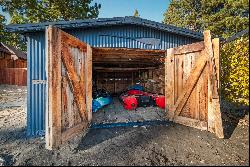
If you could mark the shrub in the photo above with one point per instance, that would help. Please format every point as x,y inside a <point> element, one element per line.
<point>235,71</point>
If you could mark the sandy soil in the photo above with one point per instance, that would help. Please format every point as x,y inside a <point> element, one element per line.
<point>172,144</point>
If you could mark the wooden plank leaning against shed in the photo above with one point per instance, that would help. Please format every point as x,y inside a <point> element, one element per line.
<point>53,119</point>
<point>214,115</point>
<point>88,69</point>
<point>217,126</point>
<point>169,82</point>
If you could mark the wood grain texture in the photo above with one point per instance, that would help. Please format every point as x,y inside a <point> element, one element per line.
<point>69,87</point>
<point>53,130</point>
<point>13,76</point>
<point>88,70</point>
<point>214,112</point>
<point>216,49</point>
<point>190,48</point>
<point>72,132</point>
<point>190,84</point>
<point>202,125</point>
<point>216,100</point>
<point>169,83</point>
<point>78,89</point>
<point>209,54</point>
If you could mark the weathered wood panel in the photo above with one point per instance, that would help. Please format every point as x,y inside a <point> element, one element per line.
<point>69,77</point>
<point>13,76</point>
<point>192,85</point>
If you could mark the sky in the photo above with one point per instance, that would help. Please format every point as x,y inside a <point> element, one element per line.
<point>148,9</point>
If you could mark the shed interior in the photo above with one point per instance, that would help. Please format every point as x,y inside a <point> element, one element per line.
<point>115,69</point>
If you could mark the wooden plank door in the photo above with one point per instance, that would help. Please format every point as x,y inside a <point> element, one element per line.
<point>192,85</point>
<point>69,69</point>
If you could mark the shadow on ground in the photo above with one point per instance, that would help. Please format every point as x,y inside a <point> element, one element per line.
<point>98,136</point>
<point>231,115</point>
<point>11,135</point>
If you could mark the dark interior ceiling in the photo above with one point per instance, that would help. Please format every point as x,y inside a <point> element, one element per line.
<point>126,59</point>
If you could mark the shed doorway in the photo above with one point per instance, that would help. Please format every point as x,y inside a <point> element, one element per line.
<point>116,71</point>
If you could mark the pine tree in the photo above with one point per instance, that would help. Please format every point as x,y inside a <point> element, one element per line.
<point>223,17</point>
<point>136,13</point>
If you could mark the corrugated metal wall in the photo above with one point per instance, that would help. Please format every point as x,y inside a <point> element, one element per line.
<point>95,37</point>
<point>36,93</point>
<point>37,60</point>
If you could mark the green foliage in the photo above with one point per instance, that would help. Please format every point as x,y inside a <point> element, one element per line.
<point>2,20</point>
<point>235,73</point>
<point>224,18</point>
<point>35,11</point>
<point>10,38</point>
<point>136,14</point>
<point>184,13</point>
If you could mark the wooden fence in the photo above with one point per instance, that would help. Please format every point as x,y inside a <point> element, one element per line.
<point>13,76</point>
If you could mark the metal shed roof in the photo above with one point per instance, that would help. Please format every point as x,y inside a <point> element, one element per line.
<point>128,20</point>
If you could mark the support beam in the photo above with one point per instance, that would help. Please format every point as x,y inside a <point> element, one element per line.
<point>123,69</point>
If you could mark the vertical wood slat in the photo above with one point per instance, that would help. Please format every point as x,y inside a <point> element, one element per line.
<point>216,101</point>
<point>209,54</point>
<point>216,49</point>
<point>88,68</point>
<point>176,65</point>
<point>53,116</point>
<point>13,76</point>
<point>64,103</point>
<point>169,83</point>
<point>214,113</point>
<point>180,76</point>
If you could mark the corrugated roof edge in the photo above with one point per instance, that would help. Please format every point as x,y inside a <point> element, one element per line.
<point>23,28</point>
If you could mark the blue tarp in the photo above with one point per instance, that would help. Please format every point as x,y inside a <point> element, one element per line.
<point>100,102</point>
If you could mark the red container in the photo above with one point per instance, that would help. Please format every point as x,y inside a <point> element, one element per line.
<point>135,92</point>
<point>129,102</point>
<point>160,101</point>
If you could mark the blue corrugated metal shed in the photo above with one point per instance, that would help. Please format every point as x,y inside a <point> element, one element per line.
<point>111,32</point>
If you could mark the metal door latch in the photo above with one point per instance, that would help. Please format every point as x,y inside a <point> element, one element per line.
<point>34,81</point>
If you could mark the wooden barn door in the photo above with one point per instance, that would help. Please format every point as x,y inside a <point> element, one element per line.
<point>69,72</point>
<point>192,85</point>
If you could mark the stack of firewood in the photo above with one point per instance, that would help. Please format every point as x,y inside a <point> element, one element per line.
<point>156,84</point>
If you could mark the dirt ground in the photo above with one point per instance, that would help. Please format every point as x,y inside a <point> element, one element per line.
<point>115,112</point>
<point>171,144</point>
